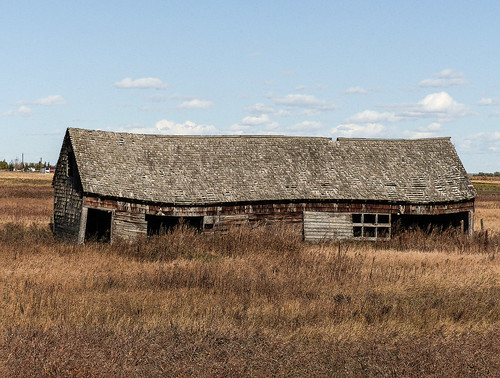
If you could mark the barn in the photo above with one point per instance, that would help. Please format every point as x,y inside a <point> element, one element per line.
<point>111,185</point>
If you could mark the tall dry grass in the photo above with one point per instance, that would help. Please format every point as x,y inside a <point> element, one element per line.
<point>256,301</point>
<point>247,303</point>
<point>488,210</point>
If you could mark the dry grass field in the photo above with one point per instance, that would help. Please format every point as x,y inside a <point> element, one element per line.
<point>488,203</point>
<point>255,302</point>
<point>25,197</point>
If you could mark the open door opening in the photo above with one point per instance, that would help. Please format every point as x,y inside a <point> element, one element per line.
<point>161,224</point>
<point>430,223</point>
<point>98,226</point>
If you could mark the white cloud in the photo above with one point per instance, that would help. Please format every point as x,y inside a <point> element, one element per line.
<point>418,134</point>
<point>22,111</point>
<point>434,126</point>
<point>187,128</point>
<point>429,131</point>
<point>484,142</point>
<point>195,104</point>
<point>259,123</point>
<point>355,90</point>
<point>437,102</point>
<point>145,82</point>
<point>352,130</point>
<point>45,101</point>
<point>488,101</point>
<point>442,105</point>
<point>445,78</point>
<point>259,108</point>
<point>438,105</point>
<point>271,127</point>
<point>309,102</point>
<point>372,116</point>
<point>239,129</point>
<point>50,100</point>
<point>287,73</point>
<point>449,73</point>
<point>255,120</point>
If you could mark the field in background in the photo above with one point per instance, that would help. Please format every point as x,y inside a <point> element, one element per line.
<point>254,302</point>
<point>25,197</point>
<point>487,203</point>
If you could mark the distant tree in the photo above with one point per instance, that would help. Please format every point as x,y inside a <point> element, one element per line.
<point>4,164</point>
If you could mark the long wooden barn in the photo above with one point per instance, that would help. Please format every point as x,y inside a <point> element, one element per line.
<point>118,185</point>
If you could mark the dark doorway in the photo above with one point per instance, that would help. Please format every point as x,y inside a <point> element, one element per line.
<point>430,223</point>
<point>161,224</point>
<point>98,226</point>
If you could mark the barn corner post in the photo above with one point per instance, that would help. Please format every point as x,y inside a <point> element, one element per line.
<point>471,212</point>
<point>83,225</point>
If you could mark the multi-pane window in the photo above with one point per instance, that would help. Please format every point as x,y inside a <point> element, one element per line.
<point>371,226</point>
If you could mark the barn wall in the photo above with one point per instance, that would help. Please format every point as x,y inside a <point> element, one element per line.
<point>68,195</point>
<point>129,225</point>
<point>326,225</point>
<point>278,210</point>
<point>332,219</point>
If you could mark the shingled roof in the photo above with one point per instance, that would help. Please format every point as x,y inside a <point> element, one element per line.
<point>201,170</point>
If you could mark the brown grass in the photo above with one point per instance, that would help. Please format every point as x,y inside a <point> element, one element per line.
<point>485,179</point>
<point>25,197</point>
<point>253,302</point>
<point>488,210</point>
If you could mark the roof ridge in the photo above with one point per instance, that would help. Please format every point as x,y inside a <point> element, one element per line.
<point>341,139</point>
<point>249,136</point>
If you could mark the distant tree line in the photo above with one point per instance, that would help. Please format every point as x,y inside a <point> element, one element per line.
<point>495,174</point>
<point>19,166</point>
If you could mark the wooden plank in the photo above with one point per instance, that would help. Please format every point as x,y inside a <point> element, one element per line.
<point>327,225</point>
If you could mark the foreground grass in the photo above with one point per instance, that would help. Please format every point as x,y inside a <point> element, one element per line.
<point>253,302</point>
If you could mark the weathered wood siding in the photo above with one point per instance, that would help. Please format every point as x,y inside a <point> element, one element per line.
<point>129,225</point>
<point>321,219</point>
<point>68,196</point>
<point>291,211</point>
<point>325,225</point>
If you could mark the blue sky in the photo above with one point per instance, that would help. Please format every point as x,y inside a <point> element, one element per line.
<point>382,69</point>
